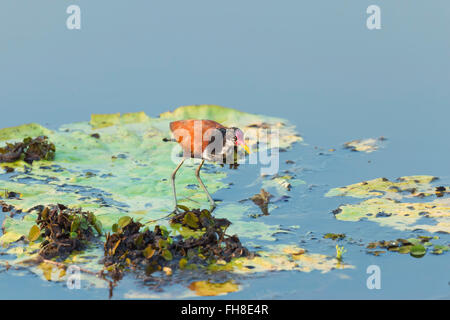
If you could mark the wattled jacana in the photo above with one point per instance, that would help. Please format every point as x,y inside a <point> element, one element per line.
<point>206,140</point>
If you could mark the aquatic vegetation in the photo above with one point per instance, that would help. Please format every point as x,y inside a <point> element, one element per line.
<point>262,201</point>
<point>281,185</point>
<point>158,250</point>
<point>29,150</point>
<point>117,167</point>
<point>63,230</point>
<point>334,236</point>
<point>416,247</point>
<point>208,288</point>
<point>440,249</point>
<point>340,252</point>
<point>387,206</point>
<point>403,187</point>
<point>281,258</point>
<point>364,145</point>
<point>418,251</point>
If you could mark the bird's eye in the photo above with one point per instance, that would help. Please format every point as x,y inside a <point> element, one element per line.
<point>234,138</point>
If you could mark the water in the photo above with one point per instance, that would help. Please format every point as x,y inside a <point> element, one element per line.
<point>313,63</point>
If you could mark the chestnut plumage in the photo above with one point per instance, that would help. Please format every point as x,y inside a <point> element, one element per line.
<point>206,140</point>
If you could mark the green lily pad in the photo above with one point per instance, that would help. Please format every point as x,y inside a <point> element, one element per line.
<point>418,251</point>
<point>440,249</point>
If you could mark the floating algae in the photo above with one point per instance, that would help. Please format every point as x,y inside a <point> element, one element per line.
<point>397,204</point>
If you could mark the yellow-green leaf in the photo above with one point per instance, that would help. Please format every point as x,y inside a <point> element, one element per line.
<point>34,233</point>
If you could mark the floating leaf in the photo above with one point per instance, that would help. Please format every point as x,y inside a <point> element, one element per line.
<point>418,251</point>
<point>98,226</point>
<point>166,254</point>
<point>403,187</point>
<point>75,225</point>
<point>364,145</point>
<point>123,221</point>
<point>184,208</point>
<point>34,233</point>
<point>208,288</point>
<point>439,249</point>
<point>385,206</point>
<point>191,220</point>
<point>148,252</point>
<point>404,249</point>
<point>23,131</point>
<point>183,263</point>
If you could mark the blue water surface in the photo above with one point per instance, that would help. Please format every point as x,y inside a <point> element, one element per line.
<point>312,62</point>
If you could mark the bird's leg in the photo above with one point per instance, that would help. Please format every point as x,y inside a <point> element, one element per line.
<point>173,184</point>
<point>197,174</point>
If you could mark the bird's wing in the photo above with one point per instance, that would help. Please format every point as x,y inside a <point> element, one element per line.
<point>183,128</point>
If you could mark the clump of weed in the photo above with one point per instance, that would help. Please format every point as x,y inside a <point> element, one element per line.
<point>63,230</point>
<point>157,250</point>
<point>29,150</point>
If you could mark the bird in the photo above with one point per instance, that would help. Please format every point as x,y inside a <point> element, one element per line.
<point>206,140</point>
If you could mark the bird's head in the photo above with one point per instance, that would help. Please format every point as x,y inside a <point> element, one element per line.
<point>237,137</point>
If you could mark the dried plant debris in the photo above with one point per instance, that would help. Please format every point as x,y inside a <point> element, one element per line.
<point>10,195</point>
<point>8,169</point>
<point>280,185</point>
<point>416,247</point>
<point>157,250</point>
<point>6,207</point>
<point>63,230</point>
<point>262,201</point>
<point>29,150</point>
<point>364,145</point>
